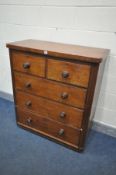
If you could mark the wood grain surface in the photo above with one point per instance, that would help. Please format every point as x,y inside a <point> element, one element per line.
<point>50,89</point>
<point>47,108</point>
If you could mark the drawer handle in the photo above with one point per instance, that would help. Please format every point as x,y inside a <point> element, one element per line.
<point>61,132</point>
<point>28,85</point>
<point>28,103</point>
<point>62,115</point>
<point>64,95</point>
<point>65,74</point>
<point>29,120</point>
<point>26,65</point>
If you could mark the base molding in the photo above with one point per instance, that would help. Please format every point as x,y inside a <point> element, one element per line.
<point>97,126</point>
<point>103,128</point>
<point>6,96</point>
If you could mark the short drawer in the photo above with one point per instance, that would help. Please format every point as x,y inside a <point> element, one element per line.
<point>66,94</point>
<point>47,127</point>
<point>49,109</point>
<point>72,73</point>
<point>28,63</point>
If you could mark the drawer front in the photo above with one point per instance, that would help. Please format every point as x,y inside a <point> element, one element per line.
<point>77,74</point>
<point>48,127</point>
<point>66,94</point>
<point>49,109</point>
<point>28,63</point>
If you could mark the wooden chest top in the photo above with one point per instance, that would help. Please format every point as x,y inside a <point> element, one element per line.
<point>69,51</point>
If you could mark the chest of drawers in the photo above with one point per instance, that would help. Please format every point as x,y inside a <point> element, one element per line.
<point>55,88</point>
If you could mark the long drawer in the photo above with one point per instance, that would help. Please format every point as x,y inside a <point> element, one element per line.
<point>66,94</point>
<point>47,127</point>
<point>56,111</point>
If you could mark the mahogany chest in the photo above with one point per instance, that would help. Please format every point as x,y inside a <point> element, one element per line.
<point>55,88</point>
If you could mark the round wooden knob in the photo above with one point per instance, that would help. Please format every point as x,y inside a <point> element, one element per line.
<point>65,74</point>
<point>29,120</point>
<point>62,115</point>
<point>64,95</point>
<point>28,85</point>
<point>26,65</point>
<point>61,132</point>
<point>28,103</point>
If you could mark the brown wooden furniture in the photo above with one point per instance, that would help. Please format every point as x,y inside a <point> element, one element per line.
<point>56,87</point>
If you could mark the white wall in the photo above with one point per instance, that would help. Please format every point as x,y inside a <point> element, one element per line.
<point>84,22</point>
